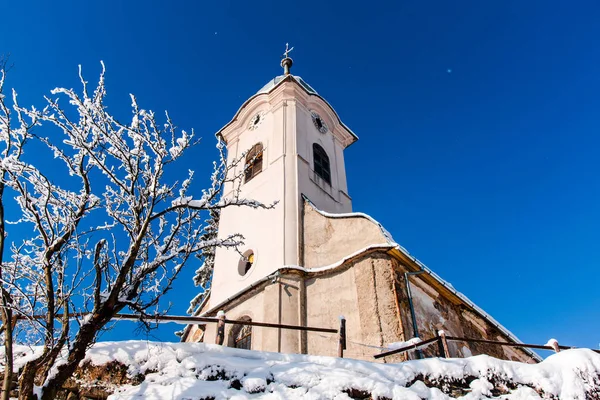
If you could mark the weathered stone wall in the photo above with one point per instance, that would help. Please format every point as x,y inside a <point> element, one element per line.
<point>328,240</point>
<point>362,291</point>
<point>435,312</point>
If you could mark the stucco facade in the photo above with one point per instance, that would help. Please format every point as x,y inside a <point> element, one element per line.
<point>315,260</point>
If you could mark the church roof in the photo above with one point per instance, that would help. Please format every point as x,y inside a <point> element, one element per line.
<point>278,79</point>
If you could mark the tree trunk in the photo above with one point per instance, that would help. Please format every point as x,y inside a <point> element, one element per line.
<point>8,351</point>
<point>6,312</point>
<point>40,369</point>
<point>84,339</point>
<point>27,380</point>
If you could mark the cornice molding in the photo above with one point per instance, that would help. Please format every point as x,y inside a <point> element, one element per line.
<point>288,90</point>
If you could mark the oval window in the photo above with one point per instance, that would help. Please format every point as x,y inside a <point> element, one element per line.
<point>246,262</point>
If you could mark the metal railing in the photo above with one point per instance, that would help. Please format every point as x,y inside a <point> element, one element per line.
<point>442,340</point>
<point>221,322</point>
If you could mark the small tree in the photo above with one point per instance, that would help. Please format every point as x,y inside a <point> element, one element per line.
<point>203,275</point>
<point>114,234</point>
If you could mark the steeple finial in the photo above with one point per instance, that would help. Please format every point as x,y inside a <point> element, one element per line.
<point>287,62</point>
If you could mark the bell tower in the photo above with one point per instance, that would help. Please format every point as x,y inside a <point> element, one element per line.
<point>293,145</point>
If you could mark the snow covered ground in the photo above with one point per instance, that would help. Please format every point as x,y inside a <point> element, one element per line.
<point>186,371</point>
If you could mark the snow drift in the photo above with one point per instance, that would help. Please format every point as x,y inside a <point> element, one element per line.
<point>200,371</point>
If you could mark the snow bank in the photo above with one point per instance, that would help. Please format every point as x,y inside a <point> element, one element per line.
<point>195,371</point>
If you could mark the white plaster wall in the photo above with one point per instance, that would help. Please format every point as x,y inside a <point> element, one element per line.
<point>263,230</point>
<point>326,197</point>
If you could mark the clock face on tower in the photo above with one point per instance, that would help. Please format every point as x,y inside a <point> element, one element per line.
<point>319,123</point>
<point>256,120</point>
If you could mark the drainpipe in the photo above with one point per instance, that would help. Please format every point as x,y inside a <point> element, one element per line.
<point>410,304</point>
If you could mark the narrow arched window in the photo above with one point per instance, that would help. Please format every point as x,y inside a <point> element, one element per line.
<point>241,335</point>
<point>254,159</point>
<point>321,163</point>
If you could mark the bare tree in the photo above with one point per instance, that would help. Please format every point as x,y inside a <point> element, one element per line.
<point>114,234</point>
<point>14,132</point>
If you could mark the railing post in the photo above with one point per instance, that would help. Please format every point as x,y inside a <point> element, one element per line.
<point>444,344</point>
<point>220,328</point>
<point>342,337</point>
<point>554,344</point>
<point>441,352</point>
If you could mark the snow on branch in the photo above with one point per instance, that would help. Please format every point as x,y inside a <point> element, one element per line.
<point>109,229</point>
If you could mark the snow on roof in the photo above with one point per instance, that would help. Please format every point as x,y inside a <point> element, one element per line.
<point>181,371</point>
<point>275,81</point>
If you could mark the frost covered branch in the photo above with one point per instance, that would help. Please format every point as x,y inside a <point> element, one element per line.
<point>110,230</point>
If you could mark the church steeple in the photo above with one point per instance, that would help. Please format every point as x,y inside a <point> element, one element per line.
<point>292,142</point>
<point>287,62</point>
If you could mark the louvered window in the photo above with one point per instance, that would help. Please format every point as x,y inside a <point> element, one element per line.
<point>321,163</point>
<point>254,159</point>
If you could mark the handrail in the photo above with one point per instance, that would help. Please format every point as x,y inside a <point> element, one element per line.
<point>531,346</point>
<point>191,320</point>
<point>177,318</point>
<point>407,348</point>
<point>459,339</point>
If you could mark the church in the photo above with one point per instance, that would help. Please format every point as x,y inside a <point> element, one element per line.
<point>312,259</point>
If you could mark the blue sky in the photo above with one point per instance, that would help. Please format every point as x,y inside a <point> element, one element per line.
<point>478,121</point>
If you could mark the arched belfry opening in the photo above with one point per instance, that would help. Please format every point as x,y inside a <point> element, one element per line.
<point>254,162</point>
<point>321,163</point>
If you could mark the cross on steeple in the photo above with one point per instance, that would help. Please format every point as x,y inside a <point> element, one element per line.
<point>287,50</point>
<point>286,63</point>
